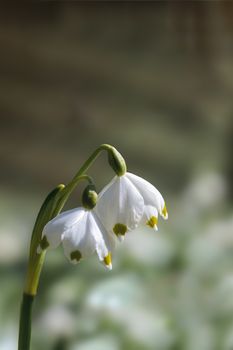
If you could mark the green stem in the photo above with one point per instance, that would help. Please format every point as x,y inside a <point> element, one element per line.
<point>25,322</point>
<point>73,183</point>
<point>35,264</point>
<point>51,207</point>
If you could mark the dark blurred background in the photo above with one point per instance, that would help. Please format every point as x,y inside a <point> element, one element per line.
<point>156,81</point>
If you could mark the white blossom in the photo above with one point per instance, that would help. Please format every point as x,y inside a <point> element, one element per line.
<point>81,233</point>
<point>128,200</point>
<point>121,206</point>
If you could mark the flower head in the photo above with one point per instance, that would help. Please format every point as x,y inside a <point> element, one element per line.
<point>128,200</point>
<point>124,203</point>
<point>81,233</point>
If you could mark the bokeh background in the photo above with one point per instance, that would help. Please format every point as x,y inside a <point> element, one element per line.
<point>156,81</point>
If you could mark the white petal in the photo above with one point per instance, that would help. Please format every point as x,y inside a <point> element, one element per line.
<point>103,237</point>
<point>97,233</point>
<point>150,194</point>
<point>149,211</point>
<point>78,238</point>
<point>150,217</point>
<point>55,228</point>
<point>120,203</point>
<point>105,242</point>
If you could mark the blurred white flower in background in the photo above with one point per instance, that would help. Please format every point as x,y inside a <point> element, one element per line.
<point>228,338</point>
<point>57,321</point>
<point>8,339</point>
<point>100,342</point>
<point>148,249</point>
<point>147,327</point>
<point>200,336</point>
<point>66,290</point>
<point>220,232</point>
<point>115,293</point>
<point>12,244</point>
<point>209,249</point>
<point>205,192</point>
<point>222,297</point>
<point>123,301</point>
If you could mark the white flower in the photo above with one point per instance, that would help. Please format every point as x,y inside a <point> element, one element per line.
<point>81,233</point>
<point>128,200</point>
<point>154,202</point>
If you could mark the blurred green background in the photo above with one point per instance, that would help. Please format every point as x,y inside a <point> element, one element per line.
<point>156,81</point>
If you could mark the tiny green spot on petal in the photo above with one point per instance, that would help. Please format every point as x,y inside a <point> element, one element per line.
<point>76,255</point>
<point>108,259</point>
<point>44,244</point>
<point>152,222</point>
<point>164,212</point>
<point>120,229</point>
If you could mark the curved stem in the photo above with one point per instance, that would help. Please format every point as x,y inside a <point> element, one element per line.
<point>73,183</point>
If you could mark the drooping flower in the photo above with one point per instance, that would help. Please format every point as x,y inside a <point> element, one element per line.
<point>81,233</point>
<point>128,200</point>
<point>154,202</point>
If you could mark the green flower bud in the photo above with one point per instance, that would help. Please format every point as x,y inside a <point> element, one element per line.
<point>117,162</point>
<point>89,197</point>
